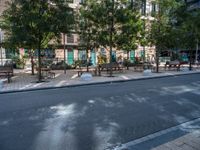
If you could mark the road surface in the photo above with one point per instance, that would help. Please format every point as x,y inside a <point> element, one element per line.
<point>96,117</point>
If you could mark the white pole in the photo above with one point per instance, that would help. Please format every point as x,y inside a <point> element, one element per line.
<point>1,56</point>
<point>64,53</point>
<point>1,36</point>
<point>197,48</point>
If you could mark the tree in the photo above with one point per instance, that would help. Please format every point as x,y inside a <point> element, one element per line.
<point>87,28</point>
<point>110,23</point>
<point>66,23</point>
<point>185,29</point>
<point>161,33</point>
<point>132,29</point>
<point>190,29</point>
<point>34,24</point>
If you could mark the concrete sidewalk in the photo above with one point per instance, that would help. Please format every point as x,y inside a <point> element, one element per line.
<point>23,80</point>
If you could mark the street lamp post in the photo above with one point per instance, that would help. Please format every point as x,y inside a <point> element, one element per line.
<point>41,12</point>
<point>144,28</point>
<point>1,39</point>
<point>144,48</point>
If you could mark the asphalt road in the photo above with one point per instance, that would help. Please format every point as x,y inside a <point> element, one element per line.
<point>98,116</point>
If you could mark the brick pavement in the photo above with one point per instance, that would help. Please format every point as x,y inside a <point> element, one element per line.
<point>185,136</point>
<point>189,141</point>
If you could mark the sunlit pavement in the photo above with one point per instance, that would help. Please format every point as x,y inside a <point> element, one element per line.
<point>96,117</point>
<point>23,79</point>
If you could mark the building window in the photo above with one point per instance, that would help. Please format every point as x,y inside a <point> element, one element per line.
<point>143,7</point>
<point>10,53</point>
<point>71,1</point>
<point>153,9</point>
<point>82,55</point>
<point>81,1</point>
<point>70,38</point>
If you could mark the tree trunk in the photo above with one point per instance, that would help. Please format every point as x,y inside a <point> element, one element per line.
<point>39,61</point>
<point>157,59</point>
<point>190,60</point>
<point>87,58</point>
<point>32,62</point>
<point>127,67</point>
<point>111,37</point>
<point>128,55</point>
<point>32,66</point>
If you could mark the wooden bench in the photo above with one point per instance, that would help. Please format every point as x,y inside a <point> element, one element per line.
<point>142,67</point>
<point>46,72</point>
<point>174,64</point>
<point>138,67</point>
<point>115,67</point>
<point>51,74</point>
<point>6,72</point>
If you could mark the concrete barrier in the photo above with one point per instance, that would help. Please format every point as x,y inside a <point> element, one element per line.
<point>1,84</point>
<point>147,72</point>
<point>86,76</point>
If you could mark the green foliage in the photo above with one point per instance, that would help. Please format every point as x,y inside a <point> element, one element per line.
<point>20,62</point>
<point>102,59</point>
<point>162,33</point>
<point>126,62</point>
<point>190,29</point>
<point>77,63</point>
<point>60,66</point>
<point>101,19</point>
<point>131,30</point>
<point>87,28</point>
<point>34,24</point>
<point>31,23</point>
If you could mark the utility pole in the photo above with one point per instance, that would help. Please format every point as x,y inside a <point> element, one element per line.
<point>1,39</point>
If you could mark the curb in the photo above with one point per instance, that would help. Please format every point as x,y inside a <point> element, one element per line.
<point>99,83</point>
<point>157,134</point>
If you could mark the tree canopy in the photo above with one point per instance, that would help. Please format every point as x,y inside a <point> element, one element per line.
<point>36,24</point>
<point>119,17</point>
<point>162,33</point>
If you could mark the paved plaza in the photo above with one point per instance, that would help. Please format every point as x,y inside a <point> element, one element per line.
<point>23,79</point>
